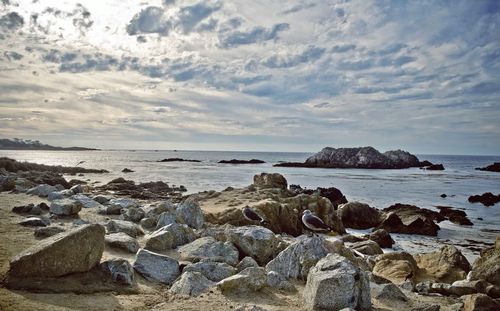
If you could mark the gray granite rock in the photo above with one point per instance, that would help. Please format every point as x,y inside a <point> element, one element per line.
<point>155,267</point>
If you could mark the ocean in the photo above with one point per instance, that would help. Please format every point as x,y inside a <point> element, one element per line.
<point>378,188</point>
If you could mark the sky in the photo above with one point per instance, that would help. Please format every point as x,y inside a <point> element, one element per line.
<point>270,75</point>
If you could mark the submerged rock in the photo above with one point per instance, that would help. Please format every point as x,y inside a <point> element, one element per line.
<point>77,250</point>
<point>335,283</point>
<point>487,199</point>
<point>495,167</point>
<point>155,267</point>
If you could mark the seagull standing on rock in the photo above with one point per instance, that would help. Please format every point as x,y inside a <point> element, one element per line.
<point>251,215</point>
<point>314,223</point>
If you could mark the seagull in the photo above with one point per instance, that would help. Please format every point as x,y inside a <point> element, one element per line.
<point>251,215</point>
<point>314,223</point>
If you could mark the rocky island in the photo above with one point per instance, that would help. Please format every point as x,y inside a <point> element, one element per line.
<point>361,157</point>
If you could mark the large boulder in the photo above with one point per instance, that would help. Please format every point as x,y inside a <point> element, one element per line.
<point>165,219</point>
<point>214,271</point>
<point>122,241</point>
<point>248,280</point>
<point>361,157</point>
<point>169,237</point>
<point>358,215</point>
<point>65,207</point>
<point>191,284</point>
<point>335,283</point>
<point>394,224</point>
<point>487,267</point>
<point>211,249</point>
<point>189,213</point>
<point>266,180</point>
<point>296,260</point>
<point>155,267</point>
<point>78,250</point>
<point>115,226</point>
<point>255,241</point>
<point>446,265</point>
<point>397,267</point>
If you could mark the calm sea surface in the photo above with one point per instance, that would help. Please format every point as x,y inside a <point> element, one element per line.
<point>379,188</point>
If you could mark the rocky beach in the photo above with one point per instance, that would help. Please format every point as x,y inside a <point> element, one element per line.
<point>70,244</point>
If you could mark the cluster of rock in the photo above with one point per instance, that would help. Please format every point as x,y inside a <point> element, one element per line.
<point>222,251</point>
<point>362,157</point>
<point>150,190</point>
<point>487,199</point>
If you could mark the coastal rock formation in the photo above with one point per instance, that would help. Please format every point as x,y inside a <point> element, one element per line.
<point>78,250</point>
<point>235,161</point>
<point>178,160</point>
<point>146,191</point>
<point>455,216</point>
<point>445,266</point>
<point>495,167</point>
<point>335,283</point>
<point>434,167</point>
<point>249,280</point>
<point>487,199</point>
<point>155,267</point>
<point>191,284</point>
<point>214,271</point>
<point>487,267</point>
<point>122,241</point>
<point>396,267</point>
<point>410,219</point>
<point>209,248</point>
<point>358,215</point>
<point>257,242</point>
<point>362,157</point>
<point>266,180</point>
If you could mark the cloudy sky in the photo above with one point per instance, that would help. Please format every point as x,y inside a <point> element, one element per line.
<point>269,75</point>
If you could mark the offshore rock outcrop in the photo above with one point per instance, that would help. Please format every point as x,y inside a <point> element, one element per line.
<point>361,157</point>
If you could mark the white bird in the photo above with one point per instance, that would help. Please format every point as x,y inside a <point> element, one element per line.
<point>314,223</point>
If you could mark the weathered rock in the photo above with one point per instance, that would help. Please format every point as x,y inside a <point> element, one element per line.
<point>487,199</point>
<point>77,189</point>
<point>382,238</point>
<point>132,214</point>
<point>435,167</point>
<point>166,218</point>
<point>445,266</point>
<point>335,283</point>
<point>296,260</point>
<point>266,180</point>
<point>110,210</point>
<point>367,247</point>
<point>65,207</point>
<point>45,232</point>
<point>255,241</point>
<point>192,284</point>
<point>388,291</point>
<point>57,195</point>
<point>102,199</point>
<point>155,210</point>
<point>123,203</point>
<point>429,308</point>
<point>214,271</point>
<point>114,226</point>
<point>416,225</point>
<point>487,267</point>
<point>155,267</point>
<point>246,262</point>
<point>248,280</point>
<point>31,209</point>
<point>169,237</point>
<point>148,223</point>
<point>211,249</point>
<point>77,250</point>
<point>396,267</point>
<point>250,308</point>
<point>123,241</point>
<point>120,270</point>
<point>190,213</point>
<point>42,190</point>
<point>35,222</point>
<point>86,201</point>
<point>358,215</point>
<point>278,281</point>
<point>480,302</point>
<point>455,216</point>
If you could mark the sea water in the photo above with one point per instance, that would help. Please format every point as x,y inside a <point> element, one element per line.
<point>378,188</point>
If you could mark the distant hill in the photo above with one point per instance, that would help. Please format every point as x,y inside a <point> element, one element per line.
<point>20,144</point>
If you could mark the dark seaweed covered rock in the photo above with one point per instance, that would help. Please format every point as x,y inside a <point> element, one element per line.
<point>434,167</point>
<point>455,216</point>
<point>495,167</point>
<point>178,160</point>
<point>12,165</point>
<point>410,219</point>
<point>234,161</point>
<point>487,199</point>
<point>361,157</point>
